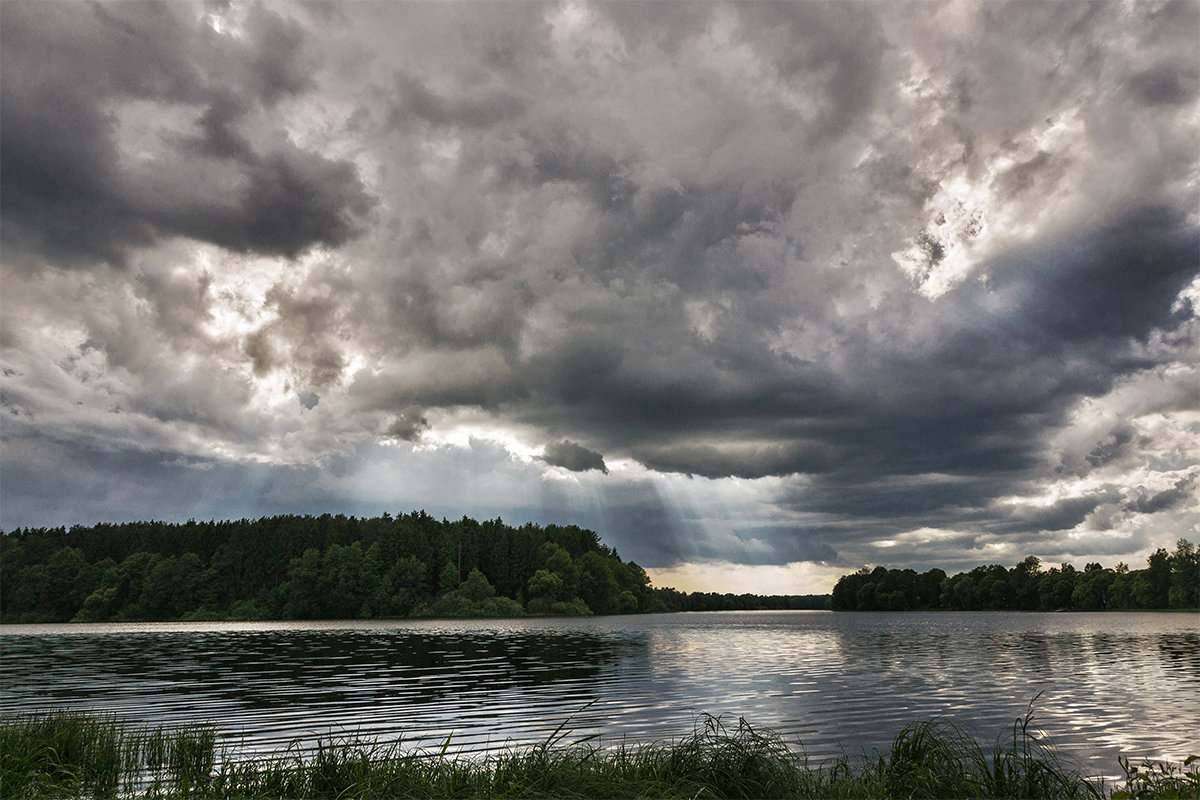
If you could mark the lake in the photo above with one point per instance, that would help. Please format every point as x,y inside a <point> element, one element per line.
<point>1107,683</point>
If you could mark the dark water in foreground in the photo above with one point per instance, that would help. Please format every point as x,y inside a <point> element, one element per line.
<point>1109,684</point>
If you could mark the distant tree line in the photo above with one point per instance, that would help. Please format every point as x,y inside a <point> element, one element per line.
<point>675,600</point>
<point>1171,580</point>
<point>327,567</point>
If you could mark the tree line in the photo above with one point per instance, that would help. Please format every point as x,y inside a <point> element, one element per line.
<point>674,600</point>
<point>1171,580</point>
<point>329,567</point>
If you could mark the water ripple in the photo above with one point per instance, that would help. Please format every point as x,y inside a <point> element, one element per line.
<point>1107,684</point>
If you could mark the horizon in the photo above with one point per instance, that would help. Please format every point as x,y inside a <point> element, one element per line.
<point>761,293</point>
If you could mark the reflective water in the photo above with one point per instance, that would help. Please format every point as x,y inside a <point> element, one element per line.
<point>1107,684</point>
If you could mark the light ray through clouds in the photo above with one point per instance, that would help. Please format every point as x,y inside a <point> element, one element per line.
<point>762,292</point>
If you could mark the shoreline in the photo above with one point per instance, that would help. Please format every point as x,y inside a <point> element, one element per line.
<point>385,620</point>
<point>55,754</point>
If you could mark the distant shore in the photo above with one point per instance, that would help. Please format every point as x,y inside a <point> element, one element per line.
<point>333,567</point>
<point>1170,581</point>
<point>415,566</point>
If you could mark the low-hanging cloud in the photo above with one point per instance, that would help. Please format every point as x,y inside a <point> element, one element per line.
<point>572,456</point>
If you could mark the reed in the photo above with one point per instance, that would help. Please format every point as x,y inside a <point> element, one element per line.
<point>59,754</point>
<point>68,754</point>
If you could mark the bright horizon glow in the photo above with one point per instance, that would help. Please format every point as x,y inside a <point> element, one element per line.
<point>763,579</point>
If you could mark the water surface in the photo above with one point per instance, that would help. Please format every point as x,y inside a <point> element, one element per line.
<point>1107,684</point>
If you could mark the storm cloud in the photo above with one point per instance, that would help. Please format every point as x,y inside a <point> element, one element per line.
<point>758,284</point>
<point>122,127</point>
<point>572,456</point>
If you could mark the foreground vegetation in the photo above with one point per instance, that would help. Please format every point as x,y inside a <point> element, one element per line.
<point>329,567</point>
<point>67,754</point>
<point>1171,580</point>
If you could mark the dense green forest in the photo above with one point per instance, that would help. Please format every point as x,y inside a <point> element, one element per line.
<point>329,567</point>
<point>338,567</point>
<point>1170,580</point>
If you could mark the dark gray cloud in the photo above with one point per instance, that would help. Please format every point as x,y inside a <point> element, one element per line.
<point>289,200</point>
<point>480,108</point>
<point>1117,284</point>
<point>407,424</point>
<point>308,399</point>
<point>976,398</point>
<point>1064,515</point>
<point>1183,490</point>
<point>572,456</point>
<point>74,76</point>
<point>814,282</point>
<point>1165,84</point>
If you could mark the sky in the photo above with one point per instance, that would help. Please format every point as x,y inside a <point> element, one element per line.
<point>760,292</point>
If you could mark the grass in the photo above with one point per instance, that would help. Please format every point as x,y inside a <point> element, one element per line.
<point>65,754</point>
<point>71,754</point>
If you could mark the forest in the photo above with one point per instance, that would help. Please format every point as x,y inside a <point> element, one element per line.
<point>413,565</point>
<point>1171,580</point>
<point>330,567</point>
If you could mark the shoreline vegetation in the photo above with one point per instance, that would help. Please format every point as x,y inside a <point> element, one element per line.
<point>332,567</point>
<point>1171,581</point>
<point>68,754</point>
<point>414,566</point>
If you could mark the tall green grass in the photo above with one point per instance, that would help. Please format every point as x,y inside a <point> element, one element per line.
<point>59,754</point>
<point>76,755</point>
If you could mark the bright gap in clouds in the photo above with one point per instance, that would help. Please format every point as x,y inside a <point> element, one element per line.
<point>725,577</point>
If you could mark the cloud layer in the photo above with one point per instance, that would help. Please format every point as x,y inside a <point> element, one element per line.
<point>760,283</point>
